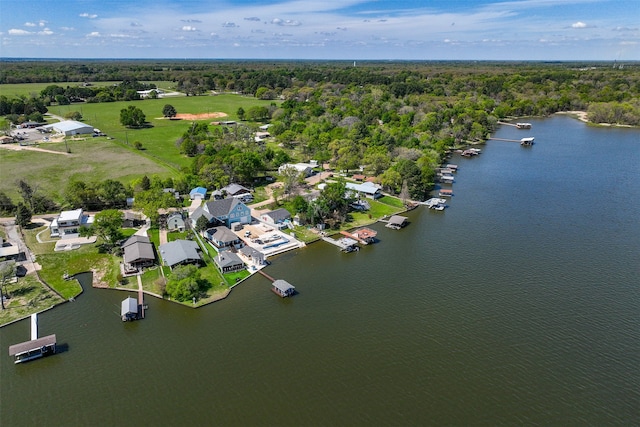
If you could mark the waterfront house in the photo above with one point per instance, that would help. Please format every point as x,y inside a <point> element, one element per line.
<point>228,262</point>
<point>366,189</point>
<point>222,238</point>
<point>198,193</point>
<point>276,218</point>
<point>283,288</point>
<point>68,223</point>
<point>228,211</point>
<point>180,252</point>
<point>138,253</point>
<point>175,222</point>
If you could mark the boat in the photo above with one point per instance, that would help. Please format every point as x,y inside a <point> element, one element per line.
<point>523,125</point>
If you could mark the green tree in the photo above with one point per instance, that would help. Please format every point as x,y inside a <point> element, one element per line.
<point>202,224</point>
<point>23,215</point>
<point>240,113</point>
<point>73,115</point>
<point>7,271</point>
<point>132,116</point>
<point>107,226</point>
<point>7,207</point>
<point>169,111</point>
<point>184,283</point>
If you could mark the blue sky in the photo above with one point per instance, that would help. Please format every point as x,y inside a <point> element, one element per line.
<point>323,29</point>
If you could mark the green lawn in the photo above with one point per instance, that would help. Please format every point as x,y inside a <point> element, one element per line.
<point>27,296</point>
<point>12,90</point>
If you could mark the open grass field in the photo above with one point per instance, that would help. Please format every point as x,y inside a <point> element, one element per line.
<point>27,89</point>
<point>159,140</point>
<point>93,159</point>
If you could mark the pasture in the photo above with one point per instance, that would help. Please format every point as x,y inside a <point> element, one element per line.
<point>97,159</point>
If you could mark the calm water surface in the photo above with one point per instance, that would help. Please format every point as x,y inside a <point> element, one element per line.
<point>518,305</point>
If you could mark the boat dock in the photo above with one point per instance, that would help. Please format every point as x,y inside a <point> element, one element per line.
<point>36,347</point>
<point>522,141</point>
<point>346,244</point>
<point>517,125</point>
<point>280,287</point>
<point>362,235</point>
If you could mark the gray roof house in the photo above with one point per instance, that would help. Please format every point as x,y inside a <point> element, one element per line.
<point>180,252</point>
<point>256,257</point>
<point>228,262</point>
<point>138,253</point>
<point>222,238</point>
<point>234,189</point>
<point>276,217</point>
<point>175,221</point>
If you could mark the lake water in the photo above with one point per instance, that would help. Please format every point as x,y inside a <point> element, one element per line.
<point>518,305</point>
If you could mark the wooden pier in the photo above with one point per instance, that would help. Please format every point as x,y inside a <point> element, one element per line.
<point>346,244</point>
<point>266,275</point>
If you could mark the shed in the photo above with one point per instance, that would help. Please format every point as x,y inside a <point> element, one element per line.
<point>283,288</point>
<point>228,262</point>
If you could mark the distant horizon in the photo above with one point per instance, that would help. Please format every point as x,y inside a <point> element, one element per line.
<point>550,61</point>
<point>387,30</point>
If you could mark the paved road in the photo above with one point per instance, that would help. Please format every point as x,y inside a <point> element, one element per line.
<point>15,238</point>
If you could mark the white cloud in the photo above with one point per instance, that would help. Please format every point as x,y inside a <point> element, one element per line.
<point>285,22</point>
<point>42,23</point>
<point>188,28</point>
<point>579,24</point>
<point>229,25</point>
<point>19,32</point>
<point>67,28</point>
<point>87,15</point>
<point>45,32</point>
<point>93,34</point>
<point>29,24</point>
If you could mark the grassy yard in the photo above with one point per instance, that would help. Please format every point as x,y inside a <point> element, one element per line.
<point>27,296</point>
<point>28,89</point>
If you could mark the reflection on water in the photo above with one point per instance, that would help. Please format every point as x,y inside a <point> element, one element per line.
<point>517,305</point>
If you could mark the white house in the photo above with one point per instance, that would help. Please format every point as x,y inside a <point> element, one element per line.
<point>306,169</point>
<point>367,189</point>
<point>68,223</point>
<point>175,221</point>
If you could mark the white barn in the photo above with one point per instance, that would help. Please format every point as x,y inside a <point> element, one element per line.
<point>70,127</point>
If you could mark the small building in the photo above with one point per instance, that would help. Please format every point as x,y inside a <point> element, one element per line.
<point>276,218</point>
<point>175,222</point>
<point>129,309</point>
<point>527,141</point>
<point>4,139</point>
<point>283,288</point>
<point>180,252</point>
<point>222,238</point>
<point>68,223</point>
<point>256,257</point>
<point>228,262</point>
<point>235,190</point>
<point>198,193</point>
<point>33,349</point>
<point>199,212</point>
<point>445,192</point>
<point>132,220</point>
<point>397,222</point>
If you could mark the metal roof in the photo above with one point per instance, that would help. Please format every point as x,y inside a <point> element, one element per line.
<point>180,251</point>
<point>129,305</point>
<point>282,285</point>
<point>32,345</point>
